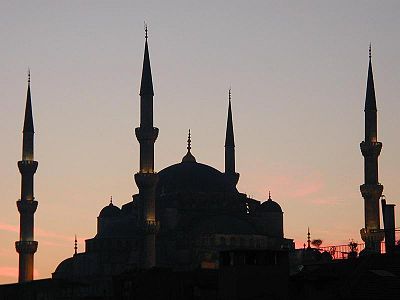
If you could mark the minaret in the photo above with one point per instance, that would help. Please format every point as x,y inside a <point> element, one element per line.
<point>27,246</point>
<point>230,147</point>
<point>371,190</point>
<point>146,179</point>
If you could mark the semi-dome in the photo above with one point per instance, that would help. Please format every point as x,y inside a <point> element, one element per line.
<point>110,211</point>
<point>193,177</point>
<point>269,206</point>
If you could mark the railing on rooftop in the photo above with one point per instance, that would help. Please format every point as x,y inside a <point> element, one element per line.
<point>351,249</point>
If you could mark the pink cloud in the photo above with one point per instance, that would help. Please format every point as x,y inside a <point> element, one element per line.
<point>53,235</point>
<point>327,201</point>
<point>9,228</point>
<point>45,237</point>
<point>295,186</point>
<point>307,186</point>
<point>39,232</point>
<point>12,272</point>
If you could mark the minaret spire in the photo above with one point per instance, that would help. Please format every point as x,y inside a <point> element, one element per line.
<point>230,146</point>
<point>27,246</point>
<point>146,179</point>
<point>146,86</point>
<point>370,100</point>
<point>371,190</point>
<point>28,130</point>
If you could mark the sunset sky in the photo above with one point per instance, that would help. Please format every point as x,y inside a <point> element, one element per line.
<point>298,75</point>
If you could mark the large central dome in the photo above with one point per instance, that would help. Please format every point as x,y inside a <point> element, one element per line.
<point>193,177</point>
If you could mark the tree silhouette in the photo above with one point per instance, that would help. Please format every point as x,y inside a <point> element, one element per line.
<point>316,242</point>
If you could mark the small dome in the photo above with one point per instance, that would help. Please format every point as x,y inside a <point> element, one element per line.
<point>109,211</point>
<point>269,206</point>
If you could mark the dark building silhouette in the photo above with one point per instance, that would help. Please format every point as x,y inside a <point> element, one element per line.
<point>190,234</point>
<point>371,190</point>
<point>182,217</point>
<point>27,246</point>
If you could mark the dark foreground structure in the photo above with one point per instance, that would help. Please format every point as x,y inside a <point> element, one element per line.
<point>375,276</point>
<point>242,275</point>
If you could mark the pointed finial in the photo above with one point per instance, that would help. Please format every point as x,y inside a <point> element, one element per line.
<point>189,157</point>
<point>369,50</point>
<point>230,94</point>
<point>111,200</point>
<point>29,75</point>
<point>76,245</point>
<point>269,195</point>
<point>308,238</point>
<point>189,141</point>
<point>145,30</point>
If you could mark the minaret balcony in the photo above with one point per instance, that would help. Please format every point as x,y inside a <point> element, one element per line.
<point>26,247</point>
<point>372,235</point>
<point>27,166</point>
<point>27,206</point>
<point>151,226</point>
<point>146,180</point>
<point>146,134</point>
<point>370,149</point>
<point>371,191</point>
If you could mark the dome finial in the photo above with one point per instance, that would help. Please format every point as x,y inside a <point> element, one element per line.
<point>189,142</point>
<point>230,90</point>
<point>111,200</point>
<point>145,30</point>
<point>76,245</point>
<point>269,195</point>
<point>29,76</point>
<point>189,157</point>
<point>370,50</point>
<point>308,238</point>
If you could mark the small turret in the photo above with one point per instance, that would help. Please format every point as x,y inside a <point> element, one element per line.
<point>270,215</point>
